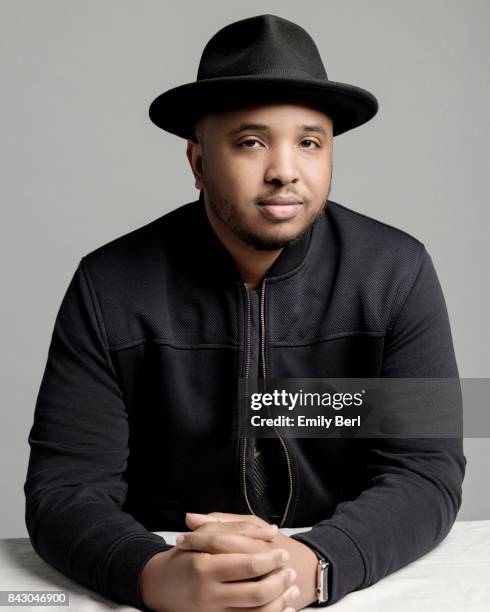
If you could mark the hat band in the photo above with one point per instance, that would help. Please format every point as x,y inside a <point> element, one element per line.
<point>280,72</point>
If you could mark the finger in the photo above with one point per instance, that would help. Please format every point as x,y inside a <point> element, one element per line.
<point>238,566</point>
<point>193,521</point>
<point>220,542</point>
<point>267,530</point>
<point>255,592</point>
<point>288,600</point>
<point>241,528</point>
<point>284,603</point>
<point>228,516</point>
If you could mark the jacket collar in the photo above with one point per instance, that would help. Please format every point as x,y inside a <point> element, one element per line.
<point>217,258</point>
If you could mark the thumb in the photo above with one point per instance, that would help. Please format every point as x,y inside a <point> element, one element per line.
<point>194,519</point>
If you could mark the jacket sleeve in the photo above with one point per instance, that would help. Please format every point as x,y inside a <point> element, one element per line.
<point>412,487</point>
<point>75,485</point>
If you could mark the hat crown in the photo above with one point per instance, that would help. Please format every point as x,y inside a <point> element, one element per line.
<point>263,44</point>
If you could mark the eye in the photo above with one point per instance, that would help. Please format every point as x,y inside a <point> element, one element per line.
<point>312,141</point>
<point>248,140</point>
<point>252,140</point>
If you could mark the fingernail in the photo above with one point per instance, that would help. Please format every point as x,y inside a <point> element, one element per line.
<point>289,610</point>
<point>194,514</point>
<point>294,592</point>
<point>292,575</point>
<point>179,540</point>
<point>285,556</point>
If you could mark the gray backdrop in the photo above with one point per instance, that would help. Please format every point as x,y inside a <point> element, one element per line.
<point>82,163</point>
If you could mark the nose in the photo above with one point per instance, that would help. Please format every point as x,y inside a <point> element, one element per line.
<point>281,166</point>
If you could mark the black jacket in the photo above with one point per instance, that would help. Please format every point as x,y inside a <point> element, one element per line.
<point>134,422</point>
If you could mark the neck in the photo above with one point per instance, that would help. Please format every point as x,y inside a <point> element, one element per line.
<point>251,263</point>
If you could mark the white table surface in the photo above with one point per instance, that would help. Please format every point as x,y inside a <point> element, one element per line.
<point>453,577</point>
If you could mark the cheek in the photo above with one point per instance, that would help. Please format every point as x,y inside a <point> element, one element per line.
<point>240,182</point>
<point>227,173</point>
<point>317,177</point>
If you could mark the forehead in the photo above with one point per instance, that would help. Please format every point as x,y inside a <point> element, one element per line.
<point>270,117</point>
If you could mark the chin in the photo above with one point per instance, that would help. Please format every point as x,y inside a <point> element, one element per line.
<point>272,242</point>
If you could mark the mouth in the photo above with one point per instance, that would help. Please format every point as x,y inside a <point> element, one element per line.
<point>280,210</point>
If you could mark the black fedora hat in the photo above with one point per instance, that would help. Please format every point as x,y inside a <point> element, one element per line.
<point>261,59</point>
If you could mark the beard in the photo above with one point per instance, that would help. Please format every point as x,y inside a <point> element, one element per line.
<point>223,208</point>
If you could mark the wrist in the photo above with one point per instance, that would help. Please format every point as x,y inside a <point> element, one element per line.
<point>305,565</point>
<point>150,578</point>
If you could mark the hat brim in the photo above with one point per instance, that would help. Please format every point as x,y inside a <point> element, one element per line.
<point>177,109</point>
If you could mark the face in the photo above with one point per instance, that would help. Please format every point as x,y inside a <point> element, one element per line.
<point>280,153</point>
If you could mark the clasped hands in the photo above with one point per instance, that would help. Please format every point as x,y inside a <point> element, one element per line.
<point>276,572</point>
<point>230,563</point>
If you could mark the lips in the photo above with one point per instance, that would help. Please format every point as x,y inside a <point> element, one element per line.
<point>279,202</point>
<point>280,208</point>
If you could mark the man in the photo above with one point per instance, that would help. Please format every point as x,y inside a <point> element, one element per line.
<point>136,425</point>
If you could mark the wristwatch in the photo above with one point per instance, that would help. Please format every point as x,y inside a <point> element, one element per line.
<point>322,578</point>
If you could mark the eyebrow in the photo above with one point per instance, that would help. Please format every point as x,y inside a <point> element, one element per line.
<point>261,127</point>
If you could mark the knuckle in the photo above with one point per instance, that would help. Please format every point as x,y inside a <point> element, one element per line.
<point>216,541</point>
<point>199,564</point>
<point>246,527</point>
<point>252,566</point>
<point>258,594</point>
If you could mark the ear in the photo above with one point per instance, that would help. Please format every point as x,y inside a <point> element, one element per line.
<point>194,156</point>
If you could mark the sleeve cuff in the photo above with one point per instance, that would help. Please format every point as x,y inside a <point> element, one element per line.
<point>126,564</point>
<point>347,569</point>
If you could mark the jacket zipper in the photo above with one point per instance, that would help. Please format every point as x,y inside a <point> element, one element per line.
<point>247,368</point>
<point>264,374</point>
